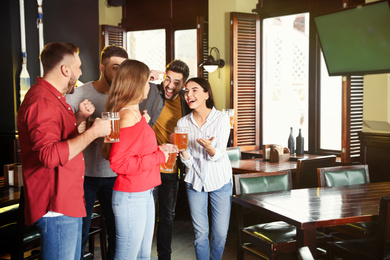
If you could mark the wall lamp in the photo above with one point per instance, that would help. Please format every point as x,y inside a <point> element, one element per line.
<point>211,64</point>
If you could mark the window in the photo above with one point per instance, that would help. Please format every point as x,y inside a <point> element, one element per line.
<point>149,47</point>
<point>331,92</point>
<point>285,77</point>
<point>185,49</point>
<point>294,70</point>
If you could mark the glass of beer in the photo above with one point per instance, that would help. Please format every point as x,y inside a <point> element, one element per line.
<point>113,137</point>
<point>170,163</point>
<point>230,113</point>
<point>181,138</point>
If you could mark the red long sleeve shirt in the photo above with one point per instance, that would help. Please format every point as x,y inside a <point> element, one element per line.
<point>51,181</point>
<point>136,159</point>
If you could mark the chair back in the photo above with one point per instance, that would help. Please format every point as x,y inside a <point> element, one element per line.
<point>383,228</point>
<point>234,153</point>
<point>343,175</point>
<point>247,183</point>
<point>307,170</point>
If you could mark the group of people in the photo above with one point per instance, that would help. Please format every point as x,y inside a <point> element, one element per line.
<point>64,158</point>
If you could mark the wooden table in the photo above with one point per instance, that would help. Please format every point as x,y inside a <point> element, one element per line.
<point>309,209</point>
<point>259,165</point>
<point>9,196</point>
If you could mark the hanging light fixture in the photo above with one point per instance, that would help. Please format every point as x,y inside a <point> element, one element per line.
<point>211,64</point>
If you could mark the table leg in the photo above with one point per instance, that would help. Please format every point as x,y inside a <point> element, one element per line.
<point>307,237</point>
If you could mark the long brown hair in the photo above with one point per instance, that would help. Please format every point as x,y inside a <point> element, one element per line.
<point>127,88</point>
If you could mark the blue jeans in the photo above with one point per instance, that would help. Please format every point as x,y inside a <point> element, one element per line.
<point>102,189</point>
<point>60,237</point>
<point>134,219</point>
<point>167,197</point>
<point>220,201</point>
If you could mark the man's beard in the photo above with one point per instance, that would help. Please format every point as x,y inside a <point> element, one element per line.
<point>71,85</point>
<point>109,81</point>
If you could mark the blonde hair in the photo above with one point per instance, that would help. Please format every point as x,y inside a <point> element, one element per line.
<point>127,88</point>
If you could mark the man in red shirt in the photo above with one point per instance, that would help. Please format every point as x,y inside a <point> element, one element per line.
<point>50,145</point>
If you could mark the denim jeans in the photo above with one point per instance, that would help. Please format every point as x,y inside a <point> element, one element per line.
<point>166,205</point>
<point>102,189</point>
<point>220,201</point>
<point>134,218</point>
<point>60,237</point>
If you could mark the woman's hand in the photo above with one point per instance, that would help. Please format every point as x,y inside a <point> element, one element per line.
<point>166,153</point>
<point>206,144</point>
<point>146,115</point>
<point>185,154</point>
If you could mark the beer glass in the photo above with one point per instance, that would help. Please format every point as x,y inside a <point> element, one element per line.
<point>170,163</point>
<point>181,138</point>
<point>230,113</point>
<point>113,137</point>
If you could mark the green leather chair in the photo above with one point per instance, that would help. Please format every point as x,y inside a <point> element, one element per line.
<point>375,247</point>
<point>272,239</point>
<point>342,176</point>
<point>234,153</point>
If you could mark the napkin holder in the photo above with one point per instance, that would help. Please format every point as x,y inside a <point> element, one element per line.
<point>275,153</point>
<point>13,175</point>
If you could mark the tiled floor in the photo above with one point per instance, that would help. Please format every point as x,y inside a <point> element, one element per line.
<point>183,242</point>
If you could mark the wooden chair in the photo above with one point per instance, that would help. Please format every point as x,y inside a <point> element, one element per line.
<point>16,238</point>
<point>272,239</point>
<point>376,247</point>
<point>234,153</point>
<point>342,176</point>
<point>307,170</point>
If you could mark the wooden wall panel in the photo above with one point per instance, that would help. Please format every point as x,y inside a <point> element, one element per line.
<point>375,152</point>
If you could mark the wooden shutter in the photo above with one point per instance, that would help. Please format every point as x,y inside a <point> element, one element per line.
<point>352,119</point>
<point>245,78</point>
<point>113,35</point>
<point>202,31</point>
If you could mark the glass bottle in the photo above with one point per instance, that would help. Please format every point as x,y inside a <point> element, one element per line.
<point>291,142</point>
<point>300,143</point>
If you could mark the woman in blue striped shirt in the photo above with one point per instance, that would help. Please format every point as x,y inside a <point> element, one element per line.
<point>208,173</point>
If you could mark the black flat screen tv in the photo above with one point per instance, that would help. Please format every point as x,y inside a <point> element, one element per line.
<point>356,41</point>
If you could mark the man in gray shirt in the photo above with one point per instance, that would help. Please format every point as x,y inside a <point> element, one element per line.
<point>99,178</point>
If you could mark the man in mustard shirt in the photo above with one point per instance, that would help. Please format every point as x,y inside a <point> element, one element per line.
<point>166,106</point>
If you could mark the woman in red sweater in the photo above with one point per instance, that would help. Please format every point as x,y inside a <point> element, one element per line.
<point>135,159</point>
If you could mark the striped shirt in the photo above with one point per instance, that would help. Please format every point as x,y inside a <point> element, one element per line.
<point>205,172</point>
